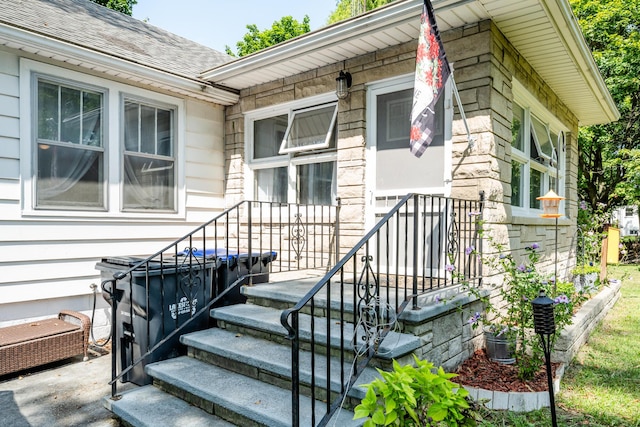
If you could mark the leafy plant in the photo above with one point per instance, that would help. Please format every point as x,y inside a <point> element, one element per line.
<point>591,226</point>
<point>585,269</point>
<point>522,283</point>
<point>415,396</point>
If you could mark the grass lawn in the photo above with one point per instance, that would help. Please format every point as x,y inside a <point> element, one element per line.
<point>601,387</point>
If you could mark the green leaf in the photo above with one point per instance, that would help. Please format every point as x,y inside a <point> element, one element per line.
<point>360,412</point>
<point>378,417</point>
<point>391,418</point>
<point>390,406</point>
<point>437,412</point>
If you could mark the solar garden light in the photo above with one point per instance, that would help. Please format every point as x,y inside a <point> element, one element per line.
<point>545,327</point>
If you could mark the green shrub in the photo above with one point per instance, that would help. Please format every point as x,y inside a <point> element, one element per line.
<point>415,396</point>
<point>585,269</point>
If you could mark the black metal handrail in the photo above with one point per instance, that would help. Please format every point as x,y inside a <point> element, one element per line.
<point>156,298</point>
<point>423,244</point>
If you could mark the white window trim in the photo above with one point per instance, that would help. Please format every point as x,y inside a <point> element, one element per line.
<point>112,142</point>
<point>126,96</point>
<point>250,165</point>
<point>533,107</point>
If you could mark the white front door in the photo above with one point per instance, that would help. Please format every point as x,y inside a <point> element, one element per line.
<point>392,171</point>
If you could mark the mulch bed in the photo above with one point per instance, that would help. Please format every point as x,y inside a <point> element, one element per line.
<point>480,372</point>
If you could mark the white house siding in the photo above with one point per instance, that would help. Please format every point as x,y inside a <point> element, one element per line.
<point>47,263</point>
<point>9,134</point>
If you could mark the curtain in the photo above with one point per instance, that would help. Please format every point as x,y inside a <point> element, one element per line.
<point>148,183</point>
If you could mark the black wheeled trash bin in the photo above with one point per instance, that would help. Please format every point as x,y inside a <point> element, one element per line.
<point>233,266</point>
<point>151,302</point>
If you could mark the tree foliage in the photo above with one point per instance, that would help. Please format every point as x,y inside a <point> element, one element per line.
<point>609,161</point>
<point>288,28</point>
<point>347,8</point>
<point>123,6</point>
<point>284,29</point>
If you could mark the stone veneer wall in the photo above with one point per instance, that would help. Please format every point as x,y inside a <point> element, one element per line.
<point>485,65</point>
<point>508,65</point>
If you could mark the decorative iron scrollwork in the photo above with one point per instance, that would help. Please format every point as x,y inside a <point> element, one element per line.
<point>452,238</point>
<point>368,310</point>
<point>189,275</point>
<point>298,236</point>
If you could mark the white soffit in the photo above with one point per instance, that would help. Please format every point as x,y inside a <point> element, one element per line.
<point>545,33</point>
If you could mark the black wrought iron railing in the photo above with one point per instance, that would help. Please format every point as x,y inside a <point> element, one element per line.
<point>422,244</point>
<point>155,299</point>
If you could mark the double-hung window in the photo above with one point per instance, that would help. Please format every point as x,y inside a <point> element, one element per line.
<point>70,159</point>
<point>97,146</point>
<point>537,155</point>
<point>292,153</point>
<point>149,173</point>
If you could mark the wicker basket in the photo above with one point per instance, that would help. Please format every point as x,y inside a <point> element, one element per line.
<point>37,343</point>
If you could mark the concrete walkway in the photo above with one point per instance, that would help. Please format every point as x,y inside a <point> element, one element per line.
<point>65,394</point>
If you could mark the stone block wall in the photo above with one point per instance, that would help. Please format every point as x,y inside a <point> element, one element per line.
<point>448,339</point>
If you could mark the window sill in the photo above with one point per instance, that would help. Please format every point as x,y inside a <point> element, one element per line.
<point>101,215</point>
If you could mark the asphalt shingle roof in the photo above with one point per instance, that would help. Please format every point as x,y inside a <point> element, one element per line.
<point>91,26</point>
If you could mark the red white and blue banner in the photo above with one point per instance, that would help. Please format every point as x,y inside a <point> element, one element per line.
<point>432,72</point>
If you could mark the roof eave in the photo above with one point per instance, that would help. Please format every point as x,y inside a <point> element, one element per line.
<point>47,47</point>
<point>588,67</point>
<point>564,23</point>
<point>326,36</point>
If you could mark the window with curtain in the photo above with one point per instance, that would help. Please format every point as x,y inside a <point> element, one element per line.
<point>293,156</point>
<point>148,160</point>
<point>536,158</point>
<point>70,159</point>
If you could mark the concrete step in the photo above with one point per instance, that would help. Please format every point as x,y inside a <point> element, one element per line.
<point>247,317</point>
<point>148,406</point>
<point>265,359</point>
<point>239,399</point>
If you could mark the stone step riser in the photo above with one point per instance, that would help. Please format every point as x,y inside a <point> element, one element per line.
<point>376,362</point>
<point>318,311</point>
<point>206,405</point>
<point>263,375</point>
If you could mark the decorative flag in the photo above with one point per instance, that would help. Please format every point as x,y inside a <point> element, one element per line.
<point>432,72</point>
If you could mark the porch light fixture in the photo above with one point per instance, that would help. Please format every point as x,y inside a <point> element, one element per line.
<point>545,327</point>
<point>343,83</point>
